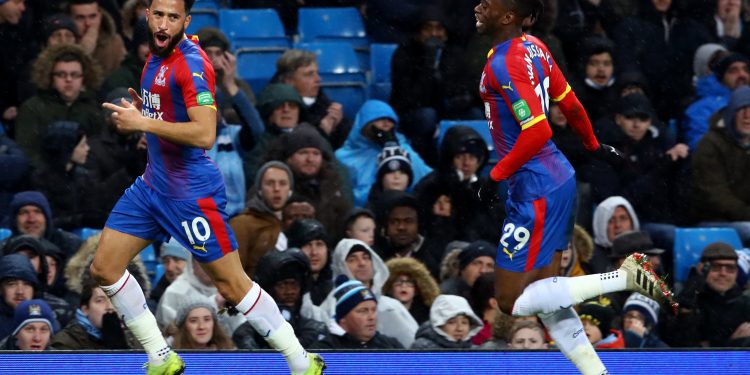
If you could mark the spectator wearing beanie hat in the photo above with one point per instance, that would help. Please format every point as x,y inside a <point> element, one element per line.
<point>713,309</point>
<point>317,175</point>
<point>258,227</point>
<point>449,196</point>
<point>310,236</point>
<point>474,260</point>
<point>394,172</point>
<point>34,325</point>
<point>639,322</point>
<point>597,317</point>
<point>720,166</point>
<point>18,283</point>
<point>355,322</point>
<point>59,29</point>
<point>731,71</point>
<point>192,330</point>
<point>279,107</point>
<point>173,258</point>
<point>359,224</point>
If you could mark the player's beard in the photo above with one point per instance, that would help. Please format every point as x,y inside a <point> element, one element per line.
<point>167,50</point>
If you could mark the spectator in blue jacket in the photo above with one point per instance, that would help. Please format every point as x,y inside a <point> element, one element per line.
<point>376,123</point>
<point>730,72</point>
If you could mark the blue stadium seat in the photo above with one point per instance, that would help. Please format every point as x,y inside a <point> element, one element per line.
<point>85,233</point>
<point>158,273</point>
<point>258,39</point>
<point>335,25</point>
<point>479,125</point>
<point>257,66</point>
<point>206,4</point>
<point>150,260</point>
<point>350,94</point>
<point>337,61</point>
<point>5,233</point>
<point>689,244</point>
<point>253,28</point>
<point>380,70</point>
<point>201,18</point>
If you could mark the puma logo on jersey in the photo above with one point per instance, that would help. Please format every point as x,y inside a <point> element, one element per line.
<point>508,87</point>
<point>508,253</point>
<point>199,75</point>
<point>200,248</point>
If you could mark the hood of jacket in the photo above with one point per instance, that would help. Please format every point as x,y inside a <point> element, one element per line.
<point>427,288</point>
<point>446,307</point>
<point>338,265</point>
<point>455,141</point>
<point>427,332</point>
<point>604,212</point>
<point>359,154</point>
<point>269,269</point>
<point>77,269</point>
<point>33,198</point>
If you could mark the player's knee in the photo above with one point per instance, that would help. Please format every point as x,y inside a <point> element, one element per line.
<point>505,301</point>
<point>100,274</point>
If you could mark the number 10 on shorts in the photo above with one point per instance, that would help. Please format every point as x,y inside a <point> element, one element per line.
<point>197,229</point>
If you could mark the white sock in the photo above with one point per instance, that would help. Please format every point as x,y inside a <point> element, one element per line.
<point>127,297</point>
<point>554,293</point>
<point>565,327</point>
<point>264,315</point>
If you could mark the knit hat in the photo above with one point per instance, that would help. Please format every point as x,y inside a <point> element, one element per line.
<point>720,67</point>
<point>739,99</point>
<point>303,136</point>
<point>193,302</point>
<point>475,250</point>
<point>56,22</point>
<point>394,158</point>
<point>349,294</point>
<point>718,250</point>
<point>18,243</point>
<point>33,311</point>
<point>633,242</point>
<point>302,231</point>
<point>599,312</point>
<point>272,164</point>
<point>18,267</point>
<point>646,306</point>
<point>275,95</point>
<point>172,248</point>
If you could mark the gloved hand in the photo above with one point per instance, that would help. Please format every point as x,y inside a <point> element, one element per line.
<point>488,196</point>
<point>113,335</point>
<point>610,155</point>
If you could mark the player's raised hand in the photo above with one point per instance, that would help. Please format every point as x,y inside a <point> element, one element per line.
<point>137,100</point>
<point>126,117</point>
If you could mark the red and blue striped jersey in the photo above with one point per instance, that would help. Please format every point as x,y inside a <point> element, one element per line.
<point>517,83</point>
<point>169,86</point>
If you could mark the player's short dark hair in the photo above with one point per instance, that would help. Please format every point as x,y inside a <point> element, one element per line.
<point>526,8</point>
<point>188,4</point>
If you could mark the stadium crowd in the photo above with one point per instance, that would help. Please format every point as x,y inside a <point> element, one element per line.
<point>367,231</point>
